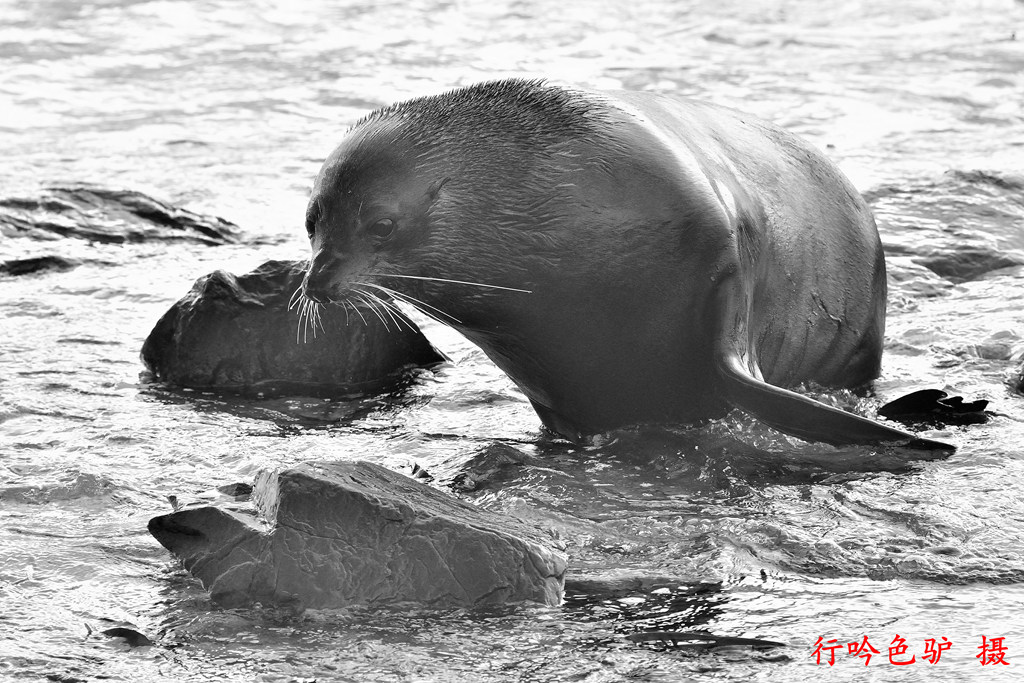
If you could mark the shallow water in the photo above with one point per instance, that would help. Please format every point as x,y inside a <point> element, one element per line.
<point>229,108</point>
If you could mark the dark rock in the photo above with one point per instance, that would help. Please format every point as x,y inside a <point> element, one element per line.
<point>339,534</point>
<point>236,334</point>
<point>131,636</point>
<point>37,264</point>
<point>108,216</point>
<point>697,640</point>
<point>239,492</point>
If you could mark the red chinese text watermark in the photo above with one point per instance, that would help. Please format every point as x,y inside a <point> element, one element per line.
<point>900,653</point>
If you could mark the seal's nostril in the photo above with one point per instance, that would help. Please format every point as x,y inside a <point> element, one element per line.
<point>316,295</point>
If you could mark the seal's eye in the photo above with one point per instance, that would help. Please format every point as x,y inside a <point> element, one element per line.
<point>382,229</point>
<point>312,216</point>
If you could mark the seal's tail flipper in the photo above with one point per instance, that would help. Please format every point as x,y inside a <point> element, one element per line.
<point>806,418</point>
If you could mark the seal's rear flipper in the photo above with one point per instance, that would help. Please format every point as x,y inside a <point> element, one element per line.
<point>806,418</point>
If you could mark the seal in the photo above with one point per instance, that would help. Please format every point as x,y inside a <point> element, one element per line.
<point>627,258</point>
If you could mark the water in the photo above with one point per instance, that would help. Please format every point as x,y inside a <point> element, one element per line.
<point>229,107</point>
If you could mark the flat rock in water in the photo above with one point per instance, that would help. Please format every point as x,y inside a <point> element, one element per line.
<point>108,216</point>
<point>354,533</point>
<point>237,334</point>
<point>967,262</point>
<point>37,264</point>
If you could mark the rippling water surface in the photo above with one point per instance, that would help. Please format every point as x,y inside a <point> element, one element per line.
<point>229,108</point>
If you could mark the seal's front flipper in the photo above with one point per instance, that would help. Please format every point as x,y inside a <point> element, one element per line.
<point>804,417</point>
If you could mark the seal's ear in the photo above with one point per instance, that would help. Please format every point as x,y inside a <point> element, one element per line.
<point>435,189</point>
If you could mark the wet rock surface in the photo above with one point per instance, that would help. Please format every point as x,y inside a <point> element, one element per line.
<point>237,334</point>
<point>340,534</point>
<point>109,216</point>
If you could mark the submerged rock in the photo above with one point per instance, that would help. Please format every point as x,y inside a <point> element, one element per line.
<point>339,534</point>
<point>109,216</point>
<point>965,263</point>
<point>958,224</point>
<point>235,333</point>
<point>486,465</point>
<point>37,264</point>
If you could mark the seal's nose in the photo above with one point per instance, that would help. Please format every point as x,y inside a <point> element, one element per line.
<point>317,291</point>
<point>318,282</point>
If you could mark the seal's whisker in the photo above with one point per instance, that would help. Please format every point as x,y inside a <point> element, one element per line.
<point>305,326</point>
<point>309,318</point>
<point>301,325</point>
<point>314,313</point>
<point>392,311</point>
<point>420,306</point>
<point>307,313</point>
<point>358,312</point>
<point>303,312</point>
<point>396,313</point>
<point>382,312</point>
<point>317,320</point>
<point>371,301</point>
<point>460,282</point>
<point>417,304</point>
<point>373,309</point>
<point>398,296</point>
<point>435,313</point>
<point>296,297</point>
<point>376,309</point>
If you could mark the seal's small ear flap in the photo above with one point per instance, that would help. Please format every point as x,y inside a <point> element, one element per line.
<point>435,189</point>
